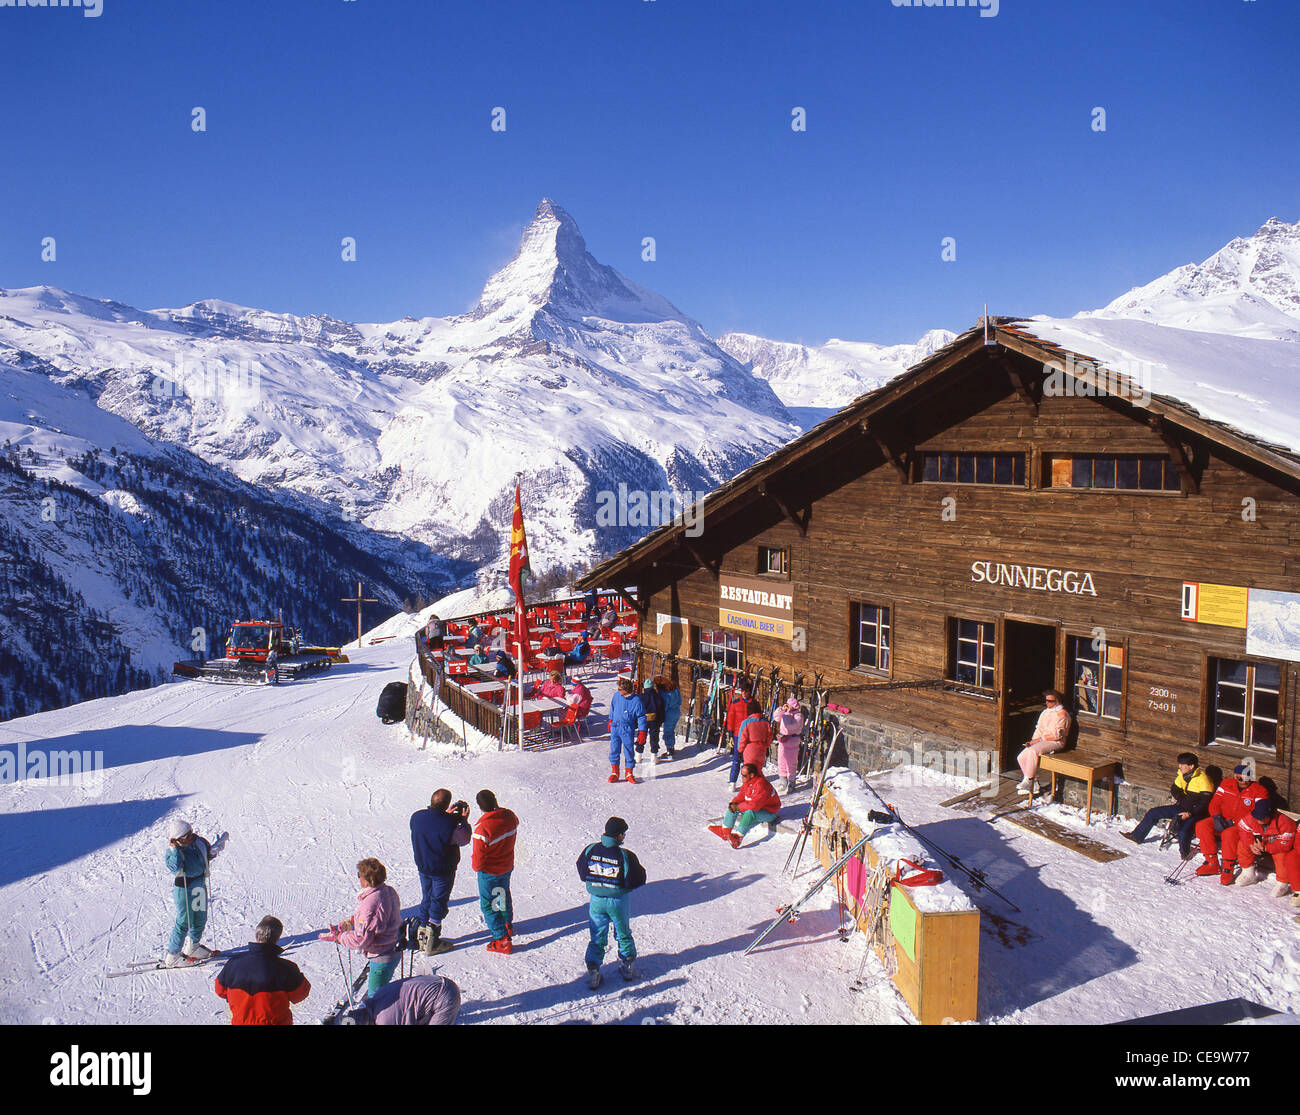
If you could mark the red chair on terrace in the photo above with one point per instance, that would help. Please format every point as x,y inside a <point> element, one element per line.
<point>569,720</point>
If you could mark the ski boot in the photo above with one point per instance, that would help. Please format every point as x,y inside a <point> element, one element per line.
<point>627,776</point>
<point>192,950</point>
<point>1248,877</point>
<point>435,944</point>
<point>173,960</point>
<point>736,838</point>
<point>613,772</point>
<point>594,978</point>
<point>627,968</point>
<point>1210,867</point>
<point>501,945</point>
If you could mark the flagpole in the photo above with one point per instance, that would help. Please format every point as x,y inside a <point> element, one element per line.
<point>519,656</point>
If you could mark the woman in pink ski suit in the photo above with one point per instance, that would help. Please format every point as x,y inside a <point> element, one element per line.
<point>375,927</point>
<point>1050,734</point>
<point>788,726</point>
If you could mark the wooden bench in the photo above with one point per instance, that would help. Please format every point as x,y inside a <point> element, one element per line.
<point>1081,765</point>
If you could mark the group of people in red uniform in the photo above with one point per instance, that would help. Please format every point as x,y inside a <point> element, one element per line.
<point>1236,824</point>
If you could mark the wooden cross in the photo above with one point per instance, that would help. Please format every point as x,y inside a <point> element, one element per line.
<point>358,600</point>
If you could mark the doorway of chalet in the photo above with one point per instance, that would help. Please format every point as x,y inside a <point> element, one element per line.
<point>1028,667</point>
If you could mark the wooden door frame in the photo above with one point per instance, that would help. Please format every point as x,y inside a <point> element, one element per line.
<point>1001,670</point>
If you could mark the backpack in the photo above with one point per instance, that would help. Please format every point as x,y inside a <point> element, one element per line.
<point>392,703</point>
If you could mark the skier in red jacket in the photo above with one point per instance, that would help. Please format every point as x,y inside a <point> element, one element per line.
<point>756,804</point>
<point>493,858</point>
<point>1265,831</point>
<point>737,710</point>
<point>1235,797</point>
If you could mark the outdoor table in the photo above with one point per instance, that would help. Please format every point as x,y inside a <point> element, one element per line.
<point>480,688</point>
<point>624,629</point>
<point>464,652</point>
<point>453,638</point>
<point>547,706</point>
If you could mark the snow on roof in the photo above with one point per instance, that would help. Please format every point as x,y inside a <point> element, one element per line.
<point>1250,384</point>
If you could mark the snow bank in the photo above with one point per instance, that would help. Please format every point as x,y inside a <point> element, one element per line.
<point>893,842</point>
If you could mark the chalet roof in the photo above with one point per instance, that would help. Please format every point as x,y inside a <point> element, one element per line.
<point>1240,393</point>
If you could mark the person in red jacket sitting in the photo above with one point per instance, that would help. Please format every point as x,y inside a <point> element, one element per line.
<point>1235,797</point>
<point>756,804</point>
<point>259,986</point>
<point>1265,831</point>
<point>493,859</point>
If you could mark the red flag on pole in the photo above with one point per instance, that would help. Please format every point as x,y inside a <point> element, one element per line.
<point>519,568</point>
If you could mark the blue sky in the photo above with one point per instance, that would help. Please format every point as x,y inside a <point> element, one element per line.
<point>663,118</point>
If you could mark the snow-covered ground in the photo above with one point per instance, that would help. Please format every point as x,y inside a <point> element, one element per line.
<point>308,781</point>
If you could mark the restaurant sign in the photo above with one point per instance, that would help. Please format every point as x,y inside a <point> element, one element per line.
<point>756,605</point>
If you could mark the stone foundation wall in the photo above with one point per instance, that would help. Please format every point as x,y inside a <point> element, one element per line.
<point>869,744</point>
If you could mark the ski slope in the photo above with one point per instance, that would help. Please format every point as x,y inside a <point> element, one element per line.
<point>308,781</point>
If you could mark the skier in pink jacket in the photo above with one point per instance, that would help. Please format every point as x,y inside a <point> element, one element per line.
<point>1050,734</point>
<point>374,928</point>
<point>789,730</point>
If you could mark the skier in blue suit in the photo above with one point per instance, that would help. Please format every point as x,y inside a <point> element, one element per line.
<point>187,858</point>
<point>627,724</point>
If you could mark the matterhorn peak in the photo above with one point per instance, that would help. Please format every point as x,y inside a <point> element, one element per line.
<point>552,271</point>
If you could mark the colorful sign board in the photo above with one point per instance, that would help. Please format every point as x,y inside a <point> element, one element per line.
<point>1221,605</point>
<point>756,605</point>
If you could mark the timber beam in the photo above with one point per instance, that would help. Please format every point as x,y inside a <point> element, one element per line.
<point>899,458</point>
<point>800,518</point>
<point>1183,460</point>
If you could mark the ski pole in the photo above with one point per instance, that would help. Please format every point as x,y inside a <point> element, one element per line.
<point>347,975</point>
<point>976,876</point>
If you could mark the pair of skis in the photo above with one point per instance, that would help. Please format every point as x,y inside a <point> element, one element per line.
<point>806,827</point>
<point>791,912</point>
<point>140,967</point>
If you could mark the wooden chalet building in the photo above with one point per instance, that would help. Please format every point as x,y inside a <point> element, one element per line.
<point>991,523</point>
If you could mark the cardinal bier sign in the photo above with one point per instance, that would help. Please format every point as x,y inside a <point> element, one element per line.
<point>756,605</point>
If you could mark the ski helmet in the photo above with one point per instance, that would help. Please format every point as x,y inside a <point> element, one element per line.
<point>178,829</point>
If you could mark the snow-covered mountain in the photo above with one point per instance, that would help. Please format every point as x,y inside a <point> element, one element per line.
<point>829,375</point>
<point>565,372</point>
<point>1248,288</point>
<point>398,444</point>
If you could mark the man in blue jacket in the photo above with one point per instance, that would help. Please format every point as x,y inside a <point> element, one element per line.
<point>437,836</point>
<point>627,724</point>
<point>652,701</point>
<point>611,873</point>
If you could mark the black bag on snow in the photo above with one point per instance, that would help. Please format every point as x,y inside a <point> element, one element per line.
<point>392,703</point>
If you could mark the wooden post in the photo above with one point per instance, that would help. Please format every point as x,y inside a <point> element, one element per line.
<point>519,677</point>
<point>358,600</point>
